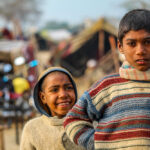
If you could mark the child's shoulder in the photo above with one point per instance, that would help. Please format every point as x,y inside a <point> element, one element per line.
<point>106,81</point>
<point>33,122</point>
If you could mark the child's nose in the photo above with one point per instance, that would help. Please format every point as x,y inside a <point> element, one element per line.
<point>140,49</point>
<point>62,93</point>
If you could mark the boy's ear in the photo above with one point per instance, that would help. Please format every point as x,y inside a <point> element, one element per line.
<point>120,47</point>
<point>42,97</point>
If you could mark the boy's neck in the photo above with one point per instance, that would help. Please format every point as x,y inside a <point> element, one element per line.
<point>129,72</point>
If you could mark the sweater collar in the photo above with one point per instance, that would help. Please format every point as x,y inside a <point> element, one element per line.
<point>54,121</point>
<point>128,72</point>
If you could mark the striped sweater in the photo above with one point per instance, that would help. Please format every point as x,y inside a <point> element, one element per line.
<point>120,104</point>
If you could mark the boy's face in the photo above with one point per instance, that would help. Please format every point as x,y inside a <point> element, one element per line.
<point>58,93</point>
<point>136,48</point>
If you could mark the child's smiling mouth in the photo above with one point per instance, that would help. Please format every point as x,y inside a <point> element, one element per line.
<point>64,104</point>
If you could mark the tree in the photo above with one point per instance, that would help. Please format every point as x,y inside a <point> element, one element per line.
<point>54,25</point>
<point>22,10</point>
<point>19,12</point>
<point>133,4</point>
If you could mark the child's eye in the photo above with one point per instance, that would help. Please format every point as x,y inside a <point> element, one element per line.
<point>132,43</point>
<point>54,90</point>
<point>69,88</point>
<point>147,42</point>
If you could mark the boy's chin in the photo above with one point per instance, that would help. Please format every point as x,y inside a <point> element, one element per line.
<point>63,112</point>
<point>142,68</point>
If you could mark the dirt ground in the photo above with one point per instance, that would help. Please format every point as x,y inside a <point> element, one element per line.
<point>9,136</point>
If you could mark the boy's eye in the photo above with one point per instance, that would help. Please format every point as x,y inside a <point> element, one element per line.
<point>132,43</point>
<point>69,87</point>
<point>147,42</point>
<point>54,90</point>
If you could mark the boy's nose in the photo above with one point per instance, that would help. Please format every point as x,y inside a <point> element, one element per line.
<point>140,50</point>
<point>62,93</point>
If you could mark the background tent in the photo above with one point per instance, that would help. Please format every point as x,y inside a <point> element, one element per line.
<point>92,43</point>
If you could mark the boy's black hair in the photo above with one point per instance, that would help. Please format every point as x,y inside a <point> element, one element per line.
<point>136,19</point>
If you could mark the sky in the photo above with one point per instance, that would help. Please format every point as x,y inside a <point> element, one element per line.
<point>75,11</point>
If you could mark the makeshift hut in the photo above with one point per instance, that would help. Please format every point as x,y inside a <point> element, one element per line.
<point>91,43</point>
<point>9,51</point>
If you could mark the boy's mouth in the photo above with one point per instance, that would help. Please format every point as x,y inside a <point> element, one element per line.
<point>64,104</point>
<point>142,61</point>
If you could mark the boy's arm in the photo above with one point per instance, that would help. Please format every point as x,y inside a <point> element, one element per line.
<point>25,140</point>
<point>78,123</point>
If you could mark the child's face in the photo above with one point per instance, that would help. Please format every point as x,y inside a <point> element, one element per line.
<point>58,93</point>
<point>136,48</point>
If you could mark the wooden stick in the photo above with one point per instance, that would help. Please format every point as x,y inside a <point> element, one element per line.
<point>101,39</point>
<point>114,53</point>
<point>1,138</point>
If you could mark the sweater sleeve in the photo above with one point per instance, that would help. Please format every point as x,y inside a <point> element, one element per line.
<point>25,140</point>
<point>79,122</point>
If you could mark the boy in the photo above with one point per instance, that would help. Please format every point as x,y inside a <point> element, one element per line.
<point>54,95</point>
<point>120,103</point>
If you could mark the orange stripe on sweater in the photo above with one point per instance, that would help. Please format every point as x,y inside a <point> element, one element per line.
<point>145,76</point>
<point>127,74</point>
<point>124,135</point>
<point>135,74</point>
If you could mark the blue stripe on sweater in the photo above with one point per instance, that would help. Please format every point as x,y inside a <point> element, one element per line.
<point>127,105</point>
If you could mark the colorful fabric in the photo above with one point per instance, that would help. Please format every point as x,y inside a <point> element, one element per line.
<point>128,72</point>
<point>20,85</point>
<point>120,104</point>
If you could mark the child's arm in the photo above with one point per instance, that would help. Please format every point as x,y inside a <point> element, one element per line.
<point>25,140</point>
<point>78,123</point>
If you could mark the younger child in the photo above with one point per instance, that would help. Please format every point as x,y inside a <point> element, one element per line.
<point>54,95</point>
<point>120,103</point>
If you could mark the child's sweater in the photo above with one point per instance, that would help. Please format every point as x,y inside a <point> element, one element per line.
<point>46,133</point>
<point>121,106</point>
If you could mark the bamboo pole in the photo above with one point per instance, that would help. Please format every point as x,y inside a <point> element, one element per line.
<point>114,53</point>
<point>101,39</point>
<point>1,138</point>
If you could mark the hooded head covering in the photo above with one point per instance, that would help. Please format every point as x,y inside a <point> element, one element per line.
<point>38,103</point>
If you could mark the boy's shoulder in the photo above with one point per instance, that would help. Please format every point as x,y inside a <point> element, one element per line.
<point>34,122</point>
<point>106,81</point>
